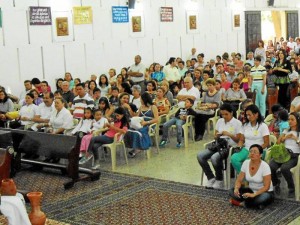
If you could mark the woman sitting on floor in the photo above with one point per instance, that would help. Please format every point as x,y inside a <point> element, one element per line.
<point>257,172</point>
<point>229,128</point>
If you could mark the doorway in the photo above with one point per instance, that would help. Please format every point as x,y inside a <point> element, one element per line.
<point>269,25</point>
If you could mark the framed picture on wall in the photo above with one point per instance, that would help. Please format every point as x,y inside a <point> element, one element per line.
<point>237,18</point>
<point>192,26</point>
<point>136,24</point>
<point>62,26</point>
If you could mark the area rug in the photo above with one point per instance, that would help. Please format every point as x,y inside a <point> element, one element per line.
<point>3,221</point>
<point>125,199</point>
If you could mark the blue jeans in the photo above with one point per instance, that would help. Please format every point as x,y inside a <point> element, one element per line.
<point>97,142</point>
<point>264,199</point>
<point>216,161</point>
<point>174,121</point>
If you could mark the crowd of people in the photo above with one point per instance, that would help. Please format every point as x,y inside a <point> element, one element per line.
<point>129,102</point>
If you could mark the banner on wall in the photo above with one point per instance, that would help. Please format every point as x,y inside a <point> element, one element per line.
<point>120,14</point>
<point>83,15</point>
<point>166,14</point>
<point>237,19</point>
<point>40,15</point>
<point>62,26</point>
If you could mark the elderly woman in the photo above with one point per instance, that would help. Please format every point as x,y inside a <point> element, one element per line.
<point>291,140</point>
<point>211,101</point>
<point>235,95</point>
<point>229,128</point>
<point>257,172</point>
<point>149,113</point>
<point>6,105</point>
<point>254,131</point>
<point>161,102</point>
<point>136,92</point>
<point>60,118</point>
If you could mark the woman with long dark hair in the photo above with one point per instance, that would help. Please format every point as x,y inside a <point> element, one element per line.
<point>254,131</point>
<point>105,107</point>
<point>120,125</point>
<point>291,139</point>
<point>281,69</point>
<point>104,85</point>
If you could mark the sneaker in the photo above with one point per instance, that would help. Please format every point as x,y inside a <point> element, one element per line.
<point>210,183</point>
<point>96,167</point>
<point>178,145</point>
<point>85,159</point>
<point>162,143</point>
<point>291,193</point>
<point>218,184</point>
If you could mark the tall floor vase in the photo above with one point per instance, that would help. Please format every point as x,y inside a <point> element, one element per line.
<point>36,216</point>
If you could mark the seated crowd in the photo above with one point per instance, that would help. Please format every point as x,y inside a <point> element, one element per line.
<point>131,102</point>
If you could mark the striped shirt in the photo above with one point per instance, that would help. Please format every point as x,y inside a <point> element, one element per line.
<point>258,73</point>
<point>79,104</point>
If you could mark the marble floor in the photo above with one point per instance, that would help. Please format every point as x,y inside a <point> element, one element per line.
<point>171,163</point>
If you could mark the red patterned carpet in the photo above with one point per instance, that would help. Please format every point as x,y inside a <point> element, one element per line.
<point>125,199</point>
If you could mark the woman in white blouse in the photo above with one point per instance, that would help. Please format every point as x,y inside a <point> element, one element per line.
<point>291,140</point>
<point>254,131</point>
<point>28,111</point>
<point>60,119</point>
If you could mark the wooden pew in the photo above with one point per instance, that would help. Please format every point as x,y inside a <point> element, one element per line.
<point>51,145</point>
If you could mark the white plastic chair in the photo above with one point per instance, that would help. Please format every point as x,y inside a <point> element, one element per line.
<point>226,172</point>
<point>213,121</point>
<point>118,141</point>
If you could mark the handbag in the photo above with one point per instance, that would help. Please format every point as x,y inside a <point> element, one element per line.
<point>280,154</point>
<point>15,124</point>
<point>135,122</point>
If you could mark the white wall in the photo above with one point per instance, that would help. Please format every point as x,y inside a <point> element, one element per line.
<point>29,51</point>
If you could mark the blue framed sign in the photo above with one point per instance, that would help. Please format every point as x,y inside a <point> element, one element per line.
<point>120,14</point>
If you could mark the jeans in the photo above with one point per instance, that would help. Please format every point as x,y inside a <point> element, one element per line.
<point>238,158</point>
<point>260,99</point>
<point>264,199</point>
<point>97,142</point>
<point>285,170</point>
<point>174,121</point>
<point>216,161</point>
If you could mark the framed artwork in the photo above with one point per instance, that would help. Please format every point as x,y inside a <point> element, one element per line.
<point>237,18</point>
<point>62,26</point>
<point>136,24</point>
<point>192,26</point>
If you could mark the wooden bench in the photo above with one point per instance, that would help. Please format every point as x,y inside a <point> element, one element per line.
<point>50,145</point>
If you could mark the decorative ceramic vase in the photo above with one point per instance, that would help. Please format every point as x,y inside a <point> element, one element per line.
<point>8,187</point>
<point>36,216</point>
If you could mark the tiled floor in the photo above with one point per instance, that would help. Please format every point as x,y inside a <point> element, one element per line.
<point>173,164</point>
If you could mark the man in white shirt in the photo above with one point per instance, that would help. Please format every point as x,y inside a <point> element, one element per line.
<point>231,73</point>
<point>193,55</point>
<point>171,71</point>
<point>250,58</point>
<point>200,62</point>
<point>188,92</point>
<point>137,72</point>
<point>45,110</point>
